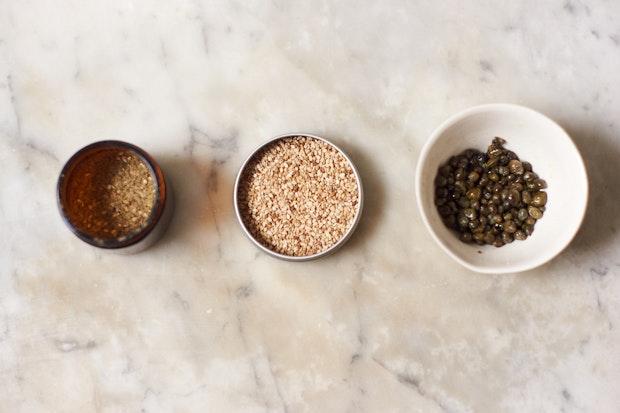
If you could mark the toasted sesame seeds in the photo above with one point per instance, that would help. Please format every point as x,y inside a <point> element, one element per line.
<point>298,196</point>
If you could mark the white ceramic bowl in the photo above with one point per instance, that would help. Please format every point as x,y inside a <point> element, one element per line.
<point>534,138</point>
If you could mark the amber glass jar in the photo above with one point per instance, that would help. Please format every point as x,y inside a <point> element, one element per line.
<point>155,220</point>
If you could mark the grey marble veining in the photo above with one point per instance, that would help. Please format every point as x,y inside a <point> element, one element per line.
<point>205,322</point>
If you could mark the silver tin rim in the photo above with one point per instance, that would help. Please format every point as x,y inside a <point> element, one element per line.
<point>341,241</point>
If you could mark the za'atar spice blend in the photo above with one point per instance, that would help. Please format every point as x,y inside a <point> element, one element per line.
<point>110,194</point>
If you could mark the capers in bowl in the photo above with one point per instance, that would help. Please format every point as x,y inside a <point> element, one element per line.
<point>489,198</point>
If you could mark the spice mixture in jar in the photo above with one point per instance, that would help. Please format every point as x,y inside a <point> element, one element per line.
<point>490,198</point>
<point>110,194</point>
<point>298,196</point>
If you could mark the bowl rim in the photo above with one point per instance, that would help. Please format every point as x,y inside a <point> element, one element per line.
<point>508,268</point>
<point>341,241</point>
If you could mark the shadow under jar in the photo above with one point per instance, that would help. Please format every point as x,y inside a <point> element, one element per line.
<point>114,196</point>
<point>298,197</point>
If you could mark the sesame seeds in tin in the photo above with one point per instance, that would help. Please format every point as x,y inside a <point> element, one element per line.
<point>298,196</point>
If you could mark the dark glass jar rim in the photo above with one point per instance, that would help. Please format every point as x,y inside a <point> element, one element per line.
<point>156,211</point>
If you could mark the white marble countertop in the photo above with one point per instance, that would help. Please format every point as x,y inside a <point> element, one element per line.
<point>203,321</point>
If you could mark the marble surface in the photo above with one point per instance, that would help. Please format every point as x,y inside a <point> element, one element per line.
<point>205,322</point>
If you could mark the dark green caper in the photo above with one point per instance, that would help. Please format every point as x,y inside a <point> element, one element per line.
<point>463,202</point>
<point>514,198</point>
<point>516,167</point>
<point>445,170</point>
<point>510,227</point>
<point>459,174</point>
<point>466,237</point>
<point>462,221</point>
<point>460,186</point>
<point>503,171</point>
<point>490,163</point>
<point>474,193</point>
<point>517,186</point>
<point>540,184</point>
<point>498,243</point>
<point>504,194</point>
<point>522,214</point>
<point>470,213</point>
<point>473,176</point>
<point>530,176</point>
<point>539,199</point>
<point>494,177</point>
<point>520,235</point>
<point>526,197</point>
<point>507,238</point>
<point>494,151</point>
<point>535,212</point>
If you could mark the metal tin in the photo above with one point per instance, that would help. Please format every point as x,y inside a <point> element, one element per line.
<point>160,213</point>
<point>340,242</point>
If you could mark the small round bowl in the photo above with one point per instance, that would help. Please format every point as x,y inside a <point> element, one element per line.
<point>160,213</point>
<point>534,138</point>
<point>331,249</point>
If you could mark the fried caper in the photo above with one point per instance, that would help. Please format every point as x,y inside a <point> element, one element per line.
<point>516,167</point>
<point>489,198</point>
<point>539,199</point>
<point>535,212</point>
